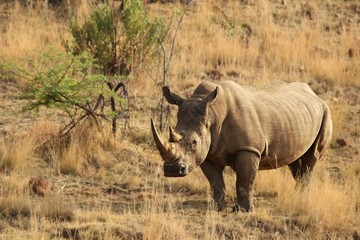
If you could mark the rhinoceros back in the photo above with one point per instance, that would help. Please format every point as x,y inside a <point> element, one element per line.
<point>279,122</point>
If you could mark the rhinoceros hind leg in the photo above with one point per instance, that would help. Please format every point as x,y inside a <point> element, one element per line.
<point>302,168</point>
<point>214,174</point>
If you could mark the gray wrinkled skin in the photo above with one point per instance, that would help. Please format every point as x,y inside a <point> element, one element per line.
<point>249,130</point>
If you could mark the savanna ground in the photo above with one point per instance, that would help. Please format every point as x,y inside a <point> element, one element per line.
<point>106,188</point>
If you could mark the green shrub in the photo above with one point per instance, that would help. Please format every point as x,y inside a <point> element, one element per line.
<point>117,40</point>
<point>118,43</point>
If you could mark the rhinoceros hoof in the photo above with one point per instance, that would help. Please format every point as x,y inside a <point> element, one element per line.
<point>238,208</point>
<point>221,208</point>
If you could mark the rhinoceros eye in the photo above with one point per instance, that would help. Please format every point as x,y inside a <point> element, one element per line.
<point>194,144</point>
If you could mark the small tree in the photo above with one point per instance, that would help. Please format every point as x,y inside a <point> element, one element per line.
<point>117,40</point>
<point>61,81</point>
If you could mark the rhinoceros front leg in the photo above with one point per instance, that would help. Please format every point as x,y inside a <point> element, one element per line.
<point>214,174</point>
<point>246,165</point>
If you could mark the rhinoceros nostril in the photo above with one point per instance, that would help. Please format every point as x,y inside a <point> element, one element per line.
<point>183,170</point>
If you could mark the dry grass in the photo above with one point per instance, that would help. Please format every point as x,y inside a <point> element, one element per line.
<point>330,200</point>
<point>22,31</point>
<point>263,45</point>
<point>26,29</point>
<point>114,189</point>
<point>14,154</point>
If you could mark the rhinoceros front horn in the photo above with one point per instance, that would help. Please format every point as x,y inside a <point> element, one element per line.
<point>160,144</point>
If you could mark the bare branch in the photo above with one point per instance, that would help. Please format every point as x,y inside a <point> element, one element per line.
<point>119,85</point>
<point>176,31</point>
<point>168,29</point>
<point>167,58</point>
<point>99,101</point>
<point>71,125</point>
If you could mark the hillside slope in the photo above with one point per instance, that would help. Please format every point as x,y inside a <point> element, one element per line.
<point>92,186</point>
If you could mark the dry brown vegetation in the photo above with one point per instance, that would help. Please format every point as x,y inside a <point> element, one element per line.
<point>114,189</point>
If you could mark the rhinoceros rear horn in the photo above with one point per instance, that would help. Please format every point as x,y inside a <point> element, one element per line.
<point>160,144</point>
<point>174,136</point>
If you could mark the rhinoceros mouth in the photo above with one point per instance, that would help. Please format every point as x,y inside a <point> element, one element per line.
<point>168,152</point>
<point>175,169</point>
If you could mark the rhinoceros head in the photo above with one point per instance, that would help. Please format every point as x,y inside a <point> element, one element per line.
<point>189,142</point>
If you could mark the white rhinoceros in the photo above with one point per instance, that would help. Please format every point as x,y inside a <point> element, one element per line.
<point>226,124</point>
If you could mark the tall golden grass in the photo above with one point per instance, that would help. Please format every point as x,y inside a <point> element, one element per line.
<point>259,43</point>
<point>329,201</point>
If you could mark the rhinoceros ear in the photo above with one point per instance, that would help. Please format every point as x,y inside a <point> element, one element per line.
<point>212,96</point>
<point>172,97</point>
<point>209,99</point>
